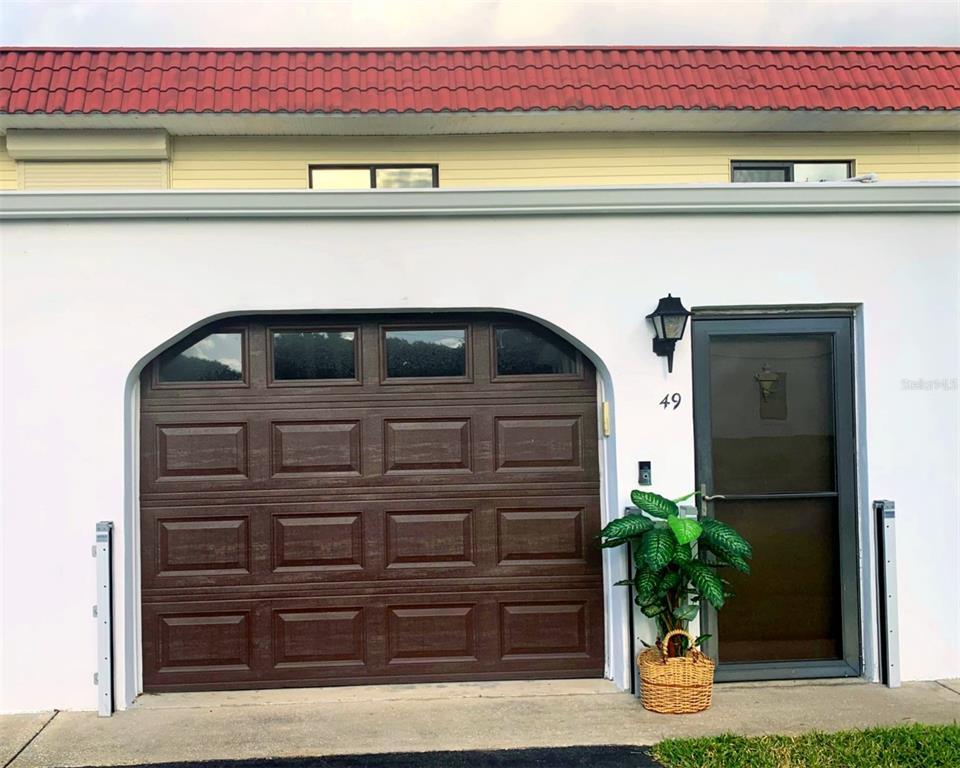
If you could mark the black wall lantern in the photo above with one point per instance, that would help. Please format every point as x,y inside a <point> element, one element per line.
<point>669,323</point>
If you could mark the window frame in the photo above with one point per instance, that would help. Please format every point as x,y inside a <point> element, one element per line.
<point>466,378</point>
<point>497,377</point>
<point>749,165</point>
<point>193,338</point>
<point>357,379</point>
<point>373,168</point>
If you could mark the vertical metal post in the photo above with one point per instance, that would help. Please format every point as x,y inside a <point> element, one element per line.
<point>886,517</point>
<point>103,613</point>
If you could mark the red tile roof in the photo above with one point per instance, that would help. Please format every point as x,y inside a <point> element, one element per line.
<point>93,81</point>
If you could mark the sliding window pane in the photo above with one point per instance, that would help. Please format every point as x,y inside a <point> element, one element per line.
<point>404,178</point>
<point>339,178</point>
<point>754,175</point>
<point>820,171</point>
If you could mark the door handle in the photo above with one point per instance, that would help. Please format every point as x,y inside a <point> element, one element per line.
<point>706,498</point>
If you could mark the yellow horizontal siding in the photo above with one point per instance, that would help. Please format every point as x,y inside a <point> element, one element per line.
<point>97,174</point>
<point>507,160</point>
<point>510,160</point>
<point>8,168</point>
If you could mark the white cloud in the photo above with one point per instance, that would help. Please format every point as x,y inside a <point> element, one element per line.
<point>450,22</point>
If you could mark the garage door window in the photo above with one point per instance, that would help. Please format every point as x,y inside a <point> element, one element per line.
<point>314,354</point>
<point>217,357</point>
<point>527,351</point>
<point>435,353</point>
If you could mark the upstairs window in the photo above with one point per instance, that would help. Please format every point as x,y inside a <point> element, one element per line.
<point>787,170</point>
<point>341,177</point>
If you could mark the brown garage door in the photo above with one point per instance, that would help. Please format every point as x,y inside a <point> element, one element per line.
<point>339,500</point>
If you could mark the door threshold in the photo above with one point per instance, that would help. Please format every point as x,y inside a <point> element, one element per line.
<point>366,693</point>
<point>808,682</point>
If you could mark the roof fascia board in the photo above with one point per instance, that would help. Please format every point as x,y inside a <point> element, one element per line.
<point>839,197</point>
<point>87,144</point>
<point>399,124</point>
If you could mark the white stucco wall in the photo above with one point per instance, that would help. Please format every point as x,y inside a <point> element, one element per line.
<point>85,303</point>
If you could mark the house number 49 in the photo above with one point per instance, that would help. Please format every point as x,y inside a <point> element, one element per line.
<point>673,400</point>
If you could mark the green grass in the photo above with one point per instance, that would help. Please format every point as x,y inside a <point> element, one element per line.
<point>909,746</point>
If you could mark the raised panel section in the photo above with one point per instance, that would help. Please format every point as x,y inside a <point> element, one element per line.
<point>320,447</point>
<point>543,630</point>
<point>431,634</point>
<point>327,638</point>
<point>317,542</point>
<point>429,539</point>
<point>218,546</point>
<point>538,442</point>
<point>199,642</point>
<point>200,451</point>
<point>426,445</point>
<point>540,536</point>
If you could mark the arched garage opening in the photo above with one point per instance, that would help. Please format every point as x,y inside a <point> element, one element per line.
<point>369,498</point>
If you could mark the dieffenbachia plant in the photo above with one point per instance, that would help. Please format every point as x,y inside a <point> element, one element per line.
<point>676,561</point>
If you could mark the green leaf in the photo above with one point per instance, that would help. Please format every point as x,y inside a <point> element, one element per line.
<point>685,529</point>
<point>725,541</point>
<point>623,583</point>
<point>645,584</point>
<point>738,564</point>
<point>682,554</point>
<point>625,528</point>
<point>686,612</point>
<point>707,583</point>
<point>652,609</point>
<point>654,504</point>
<point>701,640</point>
<point>671,580</point>
<point>657,548</point>
<point>688,496</point>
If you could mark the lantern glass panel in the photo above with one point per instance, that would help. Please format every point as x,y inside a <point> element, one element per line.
<point>673,326</point>
<point>658,326</point>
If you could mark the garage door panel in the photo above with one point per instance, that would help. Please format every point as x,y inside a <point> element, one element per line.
<point>371,541</point>
<point>377,529</point>
<point>315,447</point>
<point>318,543</point>
<point>319,638</point>
<point>407,638</point>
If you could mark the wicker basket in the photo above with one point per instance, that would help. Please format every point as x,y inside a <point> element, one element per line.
<point>676,686</point>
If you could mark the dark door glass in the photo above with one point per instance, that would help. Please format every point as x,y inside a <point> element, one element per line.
<point>314,354</point>
<point>523,351</point>
<point>772,417</point>
<point>788,608</point>
<point>426,353</point>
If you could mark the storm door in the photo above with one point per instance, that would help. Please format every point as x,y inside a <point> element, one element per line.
<point>775,451</point>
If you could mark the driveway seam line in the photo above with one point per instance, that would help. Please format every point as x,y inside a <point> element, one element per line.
<point>952,690</point>
<point>32,739</point>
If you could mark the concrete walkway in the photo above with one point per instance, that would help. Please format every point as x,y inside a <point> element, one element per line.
<point>330,721</point>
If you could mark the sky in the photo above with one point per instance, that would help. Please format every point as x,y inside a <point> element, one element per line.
<point>415,23</point>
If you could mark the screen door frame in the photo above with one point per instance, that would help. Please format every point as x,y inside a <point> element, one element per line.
<point>840,329</point>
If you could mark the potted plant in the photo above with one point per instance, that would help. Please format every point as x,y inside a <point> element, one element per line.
<point>676,561</point>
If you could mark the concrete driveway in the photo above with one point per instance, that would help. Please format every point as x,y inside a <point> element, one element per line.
<point>462,716</point>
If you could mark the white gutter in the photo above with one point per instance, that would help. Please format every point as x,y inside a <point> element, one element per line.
<point>832,197</point>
